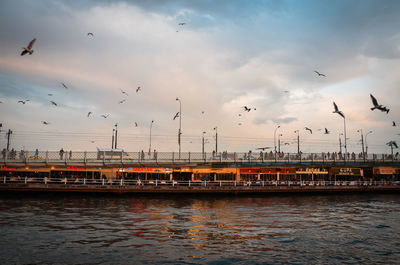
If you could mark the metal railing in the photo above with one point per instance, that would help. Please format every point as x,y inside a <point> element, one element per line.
<point>83,182</point>
<point>55,157</point>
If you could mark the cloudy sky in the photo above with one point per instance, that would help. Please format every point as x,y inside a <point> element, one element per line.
<point>229,54</point>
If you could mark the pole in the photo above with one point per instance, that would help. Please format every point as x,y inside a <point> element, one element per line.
<point>275,138</point>
<point>279,143</point>
<point>362,144</point>
<point>340,143</point>
<point>298,141</point>
<point>151,125</point>
<point>180,126</point>
<point>345,140</point>
<point>112,139</point>
<point>366,144</point>
<point>202,146</point>
<point>216,139</point>
<point>8,138</point>
<point>116,135</point>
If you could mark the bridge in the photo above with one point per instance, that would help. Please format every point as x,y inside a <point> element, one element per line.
<point>117,158</point>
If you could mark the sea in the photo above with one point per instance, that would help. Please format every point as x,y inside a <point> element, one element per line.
<point>62,228</point>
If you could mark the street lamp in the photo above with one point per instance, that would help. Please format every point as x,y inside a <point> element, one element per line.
<point>362,142</point>
<point>202,145</point>
<point>180,126</point>
<point>275,138</point>
<point>216,139</point>
<point>366,144</point>
<point>279,143</point>
<point>298,140</point>
<point>340,143</point>
<point>151,126</point>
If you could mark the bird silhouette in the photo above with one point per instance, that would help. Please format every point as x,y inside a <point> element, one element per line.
<point>29,48</point>
<point>89,113</point>
<point>50,95</point>
<point>65,86</point>
<point>23,101</point>
<point>239,123</point>
<point>246,108</point>
<point>105,115</point>
<point>308,129</point>
<point>394,124</point>
<point>286,91</point>
<point>122,101</point>
<point>202,112</point>
<point>45,122</point>
<point>182,23</point>
<point>326,131</point>
<point>240,114</point>
<point>263,148</point>
<point>138,89</point>
<point>392,143</point>
<point>92,142</point>
<point>176,115</point>
<point>377,105</point>
<point>319,74</point>
<point>52,102</point>
<point>90,34</point>
<point>123,92</point>
<point>337,110</point>
<point>136,125</point>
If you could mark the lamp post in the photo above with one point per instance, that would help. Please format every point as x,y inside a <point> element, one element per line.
<point>202,145</point>
<point>275,138</point>
<point>216,139</point>
<point>279,143</point>
<point>366,144</point>
<point>116,135</point>
<point>180,126</point>
<point>151,126</point>
<point>362,142</point>
<point>112,139</point>
<point>340,143</point>
<point>298,141</point>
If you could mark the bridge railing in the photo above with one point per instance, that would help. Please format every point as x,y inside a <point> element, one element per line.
<point>71,157</point>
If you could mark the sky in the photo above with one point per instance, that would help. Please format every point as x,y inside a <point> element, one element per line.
<point>229,54</point>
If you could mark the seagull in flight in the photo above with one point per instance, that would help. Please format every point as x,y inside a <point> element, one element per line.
<point>90,34</point>
<point>319,74</point>
<point>240,114</point>
<point>64,85</point>
<point>52,102</point>
<point>246,108</point>
<point>394,124</point>
<point>50,95</point>
<point>239,123</point>
<point>136,124</point>
<point>377,105</point>
<point>263,148</point>
<point>29,48</point>
<point>337,110</point>
<point>392,143</point>
<point>182,23</point>
<point>45,122</point>
<point>23,101</point>
<point>123,92</point>
<point>326,131</point>
<point>105,116</point>
<point>308,129</point>
<point>202,112</point>
<point>138,88</point>
<point>89,113</point>
<point>122,101</point>
<point>176,115</point>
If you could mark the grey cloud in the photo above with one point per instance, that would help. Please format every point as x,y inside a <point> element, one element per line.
<point>285,120</point>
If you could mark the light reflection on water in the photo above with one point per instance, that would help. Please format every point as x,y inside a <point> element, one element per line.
<point>71,229</point>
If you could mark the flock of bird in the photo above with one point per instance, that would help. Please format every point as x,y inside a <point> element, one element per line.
<point>29,50</point>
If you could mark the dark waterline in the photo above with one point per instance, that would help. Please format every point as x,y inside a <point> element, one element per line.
<point>87,229</point>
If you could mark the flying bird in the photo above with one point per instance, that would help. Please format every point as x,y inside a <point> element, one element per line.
<point>182,23</point>
<point>52,102</point>
<point>240,114</point>
<point>263,148</point>
<point>319,74</point>
<point>377,105</point>
<point>90,34</point>
<point>64,85</point>
<point>50,95</point>
<point>123,92</point>
<point>122,101</point>
<point>308,129</point>
<point>326,131</point>
<point>337,110</point>
<point>239,123</point>
<point>392,143</point>
<point>286,91</point>
<point>89,113</point>
<point>138,88</point>
<point>176,115</point>
<point>394,124</point>
<point>29,48</point>
<point>105,115</point>
<point>23,101</point>
<point>202,112</point>
<point>136,124</point>
<point>92,142</point>
<point>246,108</point>
<point>45,122</point>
